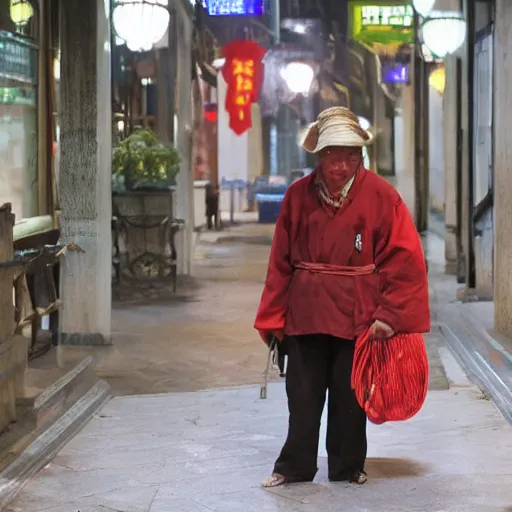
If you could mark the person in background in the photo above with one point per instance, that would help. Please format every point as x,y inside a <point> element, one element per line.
<point>212,206</point>
<point>345,257</point>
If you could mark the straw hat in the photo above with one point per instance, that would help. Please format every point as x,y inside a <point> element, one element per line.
<point>335,126</point>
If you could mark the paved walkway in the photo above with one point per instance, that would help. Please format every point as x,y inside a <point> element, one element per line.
<point>208,451</point>
<point>201,339</point>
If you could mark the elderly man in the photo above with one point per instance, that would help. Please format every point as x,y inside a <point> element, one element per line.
<point>345,257</point>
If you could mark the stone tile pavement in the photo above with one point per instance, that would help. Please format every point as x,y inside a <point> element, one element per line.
<point>199,340</point>
<point>208,451</point>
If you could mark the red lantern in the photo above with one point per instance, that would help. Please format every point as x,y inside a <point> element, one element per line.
<point>243,72</point>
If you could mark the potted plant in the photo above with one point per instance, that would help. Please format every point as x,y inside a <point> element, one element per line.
<point>142,162</point>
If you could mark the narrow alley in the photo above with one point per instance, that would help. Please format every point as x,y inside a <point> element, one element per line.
<point>197,437</point>
<point>148,149</point>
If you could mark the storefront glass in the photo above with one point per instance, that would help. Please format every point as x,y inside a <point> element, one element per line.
<point>18,124</point>
<point>18,149</point>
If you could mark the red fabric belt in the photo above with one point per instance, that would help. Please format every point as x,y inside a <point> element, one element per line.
<point>335,270</point>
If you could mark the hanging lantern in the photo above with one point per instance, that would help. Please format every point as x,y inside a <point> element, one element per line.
<point>21,11</point>
<point>423,7</point>
<point>243,72</point>
<point>298,77</point>
<point>141,23</point>
<point>444,32</point>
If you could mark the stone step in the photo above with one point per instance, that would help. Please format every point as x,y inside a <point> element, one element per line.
<point>484,357</point>
<point>54,401</point>
<point>46,422</point>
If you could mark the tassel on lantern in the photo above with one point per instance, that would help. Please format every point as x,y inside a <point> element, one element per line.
<point>390,377</point>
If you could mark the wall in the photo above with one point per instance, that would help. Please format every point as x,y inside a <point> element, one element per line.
<point>503,168</point>
<point>384,139</point>
<point>483,165</point>
<point>232,151</point>
<point>450,164</point>
<point>200,203</point>
<point>436,151</point>
<point>255,145</point>
<point>404,147</point>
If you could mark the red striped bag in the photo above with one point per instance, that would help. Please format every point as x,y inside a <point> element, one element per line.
<point>390,377</point>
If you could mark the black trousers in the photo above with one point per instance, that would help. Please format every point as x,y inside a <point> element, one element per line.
<point>317,363</point>
<point>212,212</point>
<point>212,221</point>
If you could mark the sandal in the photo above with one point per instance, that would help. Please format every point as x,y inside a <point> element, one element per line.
<point>358,477</point>
<point>274,480</point>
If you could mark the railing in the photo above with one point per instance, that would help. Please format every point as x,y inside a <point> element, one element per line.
<point>13,352</point>
<point>147,263</point>
<point>37,294</point>
<point>28,293</point>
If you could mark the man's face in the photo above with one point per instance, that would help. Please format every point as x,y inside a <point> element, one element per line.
<point>338,164</point>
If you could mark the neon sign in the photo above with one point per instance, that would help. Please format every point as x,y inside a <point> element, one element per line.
<point>235,7</point>
<point>243,74</point>
<point>387,16</point>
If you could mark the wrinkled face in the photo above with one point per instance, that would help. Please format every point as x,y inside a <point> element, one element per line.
<point>338,164</point>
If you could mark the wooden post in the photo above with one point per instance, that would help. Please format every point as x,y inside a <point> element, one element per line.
<point>7,325</point>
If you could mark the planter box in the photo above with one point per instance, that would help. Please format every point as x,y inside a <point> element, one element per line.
<point>141,233</point>
<point>143,203</point>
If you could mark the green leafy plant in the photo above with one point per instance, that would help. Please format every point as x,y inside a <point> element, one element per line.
<point>142,161</point>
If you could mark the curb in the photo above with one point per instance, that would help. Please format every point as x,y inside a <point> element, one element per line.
<point>245,239</point>
<point>233,238</point>
<point>49,441</point>
<point>475,355</point>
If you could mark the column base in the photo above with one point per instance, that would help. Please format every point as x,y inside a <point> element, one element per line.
<point>84,339</point>
<point>473,295</point>
<point>450,267</point>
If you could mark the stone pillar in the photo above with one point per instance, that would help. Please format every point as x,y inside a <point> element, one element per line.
<point>464,265</point>
<point>255,151</point>
<point>405,176</point>
<point>183,139</point>
<point>502,168</point>
<point>232,151</point>
<point>450,128</point>
<point>85,170</point>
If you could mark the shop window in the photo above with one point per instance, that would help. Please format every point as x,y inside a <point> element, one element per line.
<point>18,122</point>
<point>18,149</point>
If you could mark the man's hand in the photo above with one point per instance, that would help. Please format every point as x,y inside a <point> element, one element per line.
<point>381,331</point>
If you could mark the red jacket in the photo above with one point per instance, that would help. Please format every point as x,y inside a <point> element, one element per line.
<point>335,272</point>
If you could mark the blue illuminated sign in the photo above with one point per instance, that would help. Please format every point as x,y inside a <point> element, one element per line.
<point>235,7</point>
<point>397,73</point>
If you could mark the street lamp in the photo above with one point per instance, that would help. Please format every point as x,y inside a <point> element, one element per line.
<point>21,11</point>
<point>298,77</point>
<point>423,7</point>
<point>444,32</point>
<point>141,23</point>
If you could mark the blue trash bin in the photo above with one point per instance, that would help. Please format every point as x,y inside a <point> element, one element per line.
<point>269,206</point>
